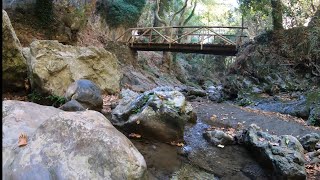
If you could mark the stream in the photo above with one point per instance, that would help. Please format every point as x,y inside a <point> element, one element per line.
<point>198,159</point>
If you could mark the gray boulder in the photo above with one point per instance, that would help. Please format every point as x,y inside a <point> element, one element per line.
<point>284,154</point>
<point>66,145</point>
<point>72,105</point>
<point>159,114</point>
<point>20,117</point>
<point>86,93</point>
<point>217,137</point>
<point>14,65</point>
<point>309,141</point>
<point>215,93</point>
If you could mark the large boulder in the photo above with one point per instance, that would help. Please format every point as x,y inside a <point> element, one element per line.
<point>215,93</point>
<point>14,65</point>
<point>86,93</point>
<point>65,145</point>
<point>20,117</point>
<point>159,114</point>
<point>284,154</point>
<point>55,66</point>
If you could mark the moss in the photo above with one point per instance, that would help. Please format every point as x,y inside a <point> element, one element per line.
<point>313,97</point>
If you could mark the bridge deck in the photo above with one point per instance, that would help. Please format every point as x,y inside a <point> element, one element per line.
<point>217,49</point>
<point>217,40</point>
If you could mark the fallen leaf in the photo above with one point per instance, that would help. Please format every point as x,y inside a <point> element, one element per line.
<point>134,135</point>
<point>179,144</point>
<point>213,118</point>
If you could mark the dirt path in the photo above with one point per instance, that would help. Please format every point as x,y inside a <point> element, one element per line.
<point>228,114</point>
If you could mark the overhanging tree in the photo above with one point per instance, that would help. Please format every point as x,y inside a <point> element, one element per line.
<point>247,6</point>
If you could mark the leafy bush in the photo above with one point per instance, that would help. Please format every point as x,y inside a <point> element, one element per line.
<point>124,13</point>
<point>44,12</point>
<point>57,101</point>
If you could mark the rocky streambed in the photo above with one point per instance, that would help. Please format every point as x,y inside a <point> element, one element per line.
<point>199,159</point>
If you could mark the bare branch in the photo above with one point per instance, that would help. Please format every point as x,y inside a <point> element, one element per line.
<point>179,11</point>
<point>191,14</point>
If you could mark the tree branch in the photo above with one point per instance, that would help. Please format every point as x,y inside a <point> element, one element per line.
<point>157,14</point>
<point>191,14</point>
<point>179,11</point>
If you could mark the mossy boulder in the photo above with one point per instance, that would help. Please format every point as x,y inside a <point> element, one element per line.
<point>14,66</point>
<point>159,114</point>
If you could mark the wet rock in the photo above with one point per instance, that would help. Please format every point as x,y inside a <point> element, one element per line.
<point>14,65</point>
<point>66,145</point>
<point>72,105</point>
<point>215,93</point>
<point>309,141</point>
<point>217,137</point>
<point>55,66</point>
<point>159,114</point>
<point>284,154</point>
<point>85,92</point>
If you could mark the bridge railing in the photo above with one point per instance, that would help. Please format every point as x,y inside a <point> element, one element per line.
<point>185,35</point>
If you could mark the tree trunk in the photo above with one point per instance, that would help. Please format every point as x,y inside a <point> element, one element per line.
<point>276,14</point>
<point>315,21</point>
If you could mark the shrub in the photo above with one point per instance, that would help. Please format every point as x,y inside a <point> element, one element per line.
<point>44,12</point>
<point>124,13</point>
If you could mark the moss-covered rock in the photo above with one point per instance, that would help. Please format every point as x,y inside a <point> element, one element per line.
<point>14,66</point>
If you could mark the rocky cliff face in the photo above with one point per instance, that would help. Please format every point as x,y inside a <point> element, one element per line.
<point>81,22</point>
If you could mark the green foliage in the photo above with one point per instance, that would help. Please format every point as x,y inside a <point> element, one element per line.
<point>313,97</point>
<point>34,96</point>
<point>44,12</point>
<point>124,13</point>
<point>56,100</point>
<point>52,100</point>
<point>144,100</point>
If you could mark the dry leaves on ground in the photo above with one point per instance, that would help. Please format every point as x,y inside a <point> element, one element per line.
<point>313,171</point>
<point>134,135</point>
<point>108,100</point>
<point>228,131</point>
<point>10,96</point>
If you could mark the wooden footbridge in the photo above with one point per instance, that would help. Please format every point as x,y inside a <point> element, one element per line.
<point>216,40</point>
